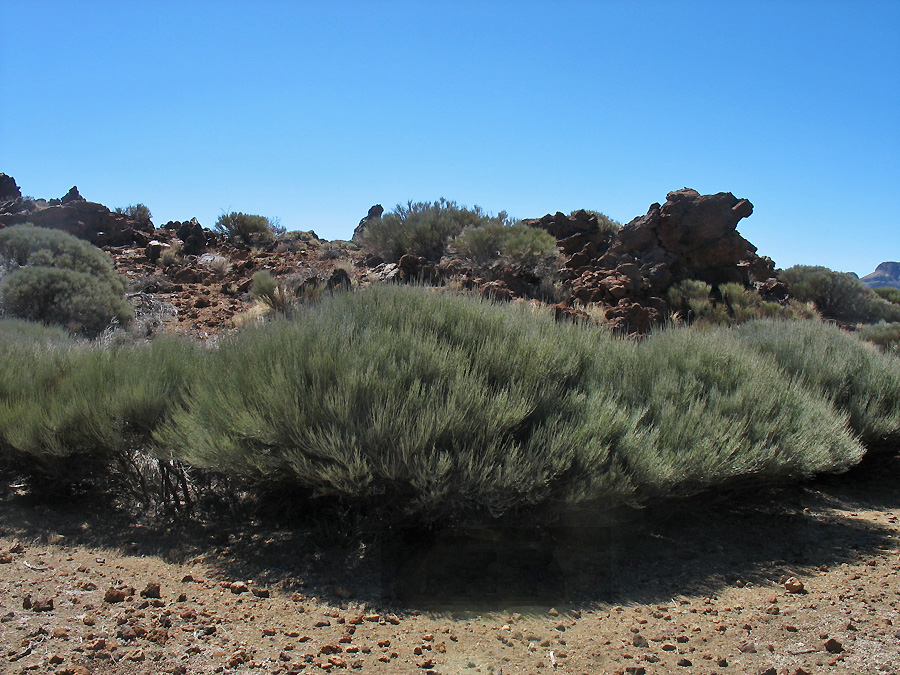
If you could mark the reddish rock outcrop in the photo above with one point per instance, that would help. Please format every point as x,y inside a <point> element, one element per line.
<point>74,214</point>
<point>691,236</point>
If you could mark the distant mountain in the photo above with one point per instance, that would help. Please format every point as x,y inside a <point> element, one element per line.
<point>886,274</point>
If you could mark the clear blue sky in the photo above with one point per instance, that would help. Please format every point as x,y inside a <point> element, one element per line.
<point>314,111</point>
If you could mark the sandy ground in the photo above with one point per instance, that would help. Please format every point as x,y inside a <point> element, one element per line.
<point>694,587</point>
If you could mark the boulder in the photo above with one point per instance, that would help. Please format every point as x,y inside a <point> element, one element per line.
<point>375,213</point>
<point>94,222</point>
<point>8,188</point>
<point>73,195</point>
<point>193,236</point>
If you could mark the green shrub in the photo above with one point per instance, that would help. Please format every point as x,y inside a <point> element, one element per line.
<point>423,228</point>
<point>275,295</point>
<point>885,335</point>
<point>26,245</point>
<point>59,401</point>
<point>61,280</point>
<point>433,406</point>
<point>137,212</point>
<point>439,405</point>
<point>64,297</point>
<point>248,230</point>
<point>693,301</point>
<point>889,293</point>
<point>173,254</point>
<point>837,365</point>
<point>838,295</point>
<point>518,246</point>
<point>719,414</point>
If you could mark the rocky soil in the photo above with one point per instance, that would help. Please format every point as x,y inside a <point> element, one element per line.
<point>797,580</point>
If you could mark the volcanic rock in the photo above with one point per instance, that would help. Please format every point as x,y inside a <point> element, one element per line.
<point>192,235</point>
<point>73,195</point>
<point>691,236</point>
<point>8,188</point>
<point>375,213</point>
<point>74,214</point>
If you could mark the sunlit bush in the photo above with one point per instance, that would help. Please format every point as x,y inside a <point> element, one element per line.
<point>248,230</point>
<point>885,335</point>
<point>517,246</point>
<point>423,228</point>
<point>840,367</point>
<point>838,295</point>
<point>60,279</point>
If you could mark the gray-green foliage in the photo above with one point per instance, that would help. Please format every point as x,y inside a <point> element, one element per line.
<point>423,228</point>
<point>855,377</point>
<point>60,398</point>
<point>838,295</point>
<point>437,406</point>
<point>247,229</point>
<point>885,335</point>
<point>60,279</point>
<point>439,403</point>
<point>889,293</point>
<point>694,301</point>
<point>22,330</point>
<point>518,246</point>
<point>606,224</point>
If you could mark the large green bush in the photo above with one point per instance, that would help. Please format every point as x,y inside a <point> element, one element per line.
<point>838,295</point>
<point>26,245</point>
<point>518,246</point>
<point>434,406</point>
<point>60,296</point>
<point>423,228</point>
<point>60,279</point>
<point>885,335</point>
<point>248,230</point>
<point>438,405</point>
<point>59,400</point>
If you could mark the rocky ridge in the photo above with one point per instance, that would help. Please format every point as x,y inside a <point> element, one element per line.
<point>624,273</point>
<point>886,274</point>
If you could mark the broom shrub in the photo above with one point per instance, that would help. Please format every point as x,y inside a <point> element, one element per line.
<point>432,406</point>
<point>856,378</point>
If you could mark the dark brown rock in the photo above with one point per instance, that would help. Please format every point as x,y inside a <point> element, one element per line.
<point>113,595</point>
<point>193,237</point>
<point>73,195</point>
<point>8,188</point>
<point>691,236</point>
<point>151,591</point>
<point>833,646</point>
<point>375,213</point>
